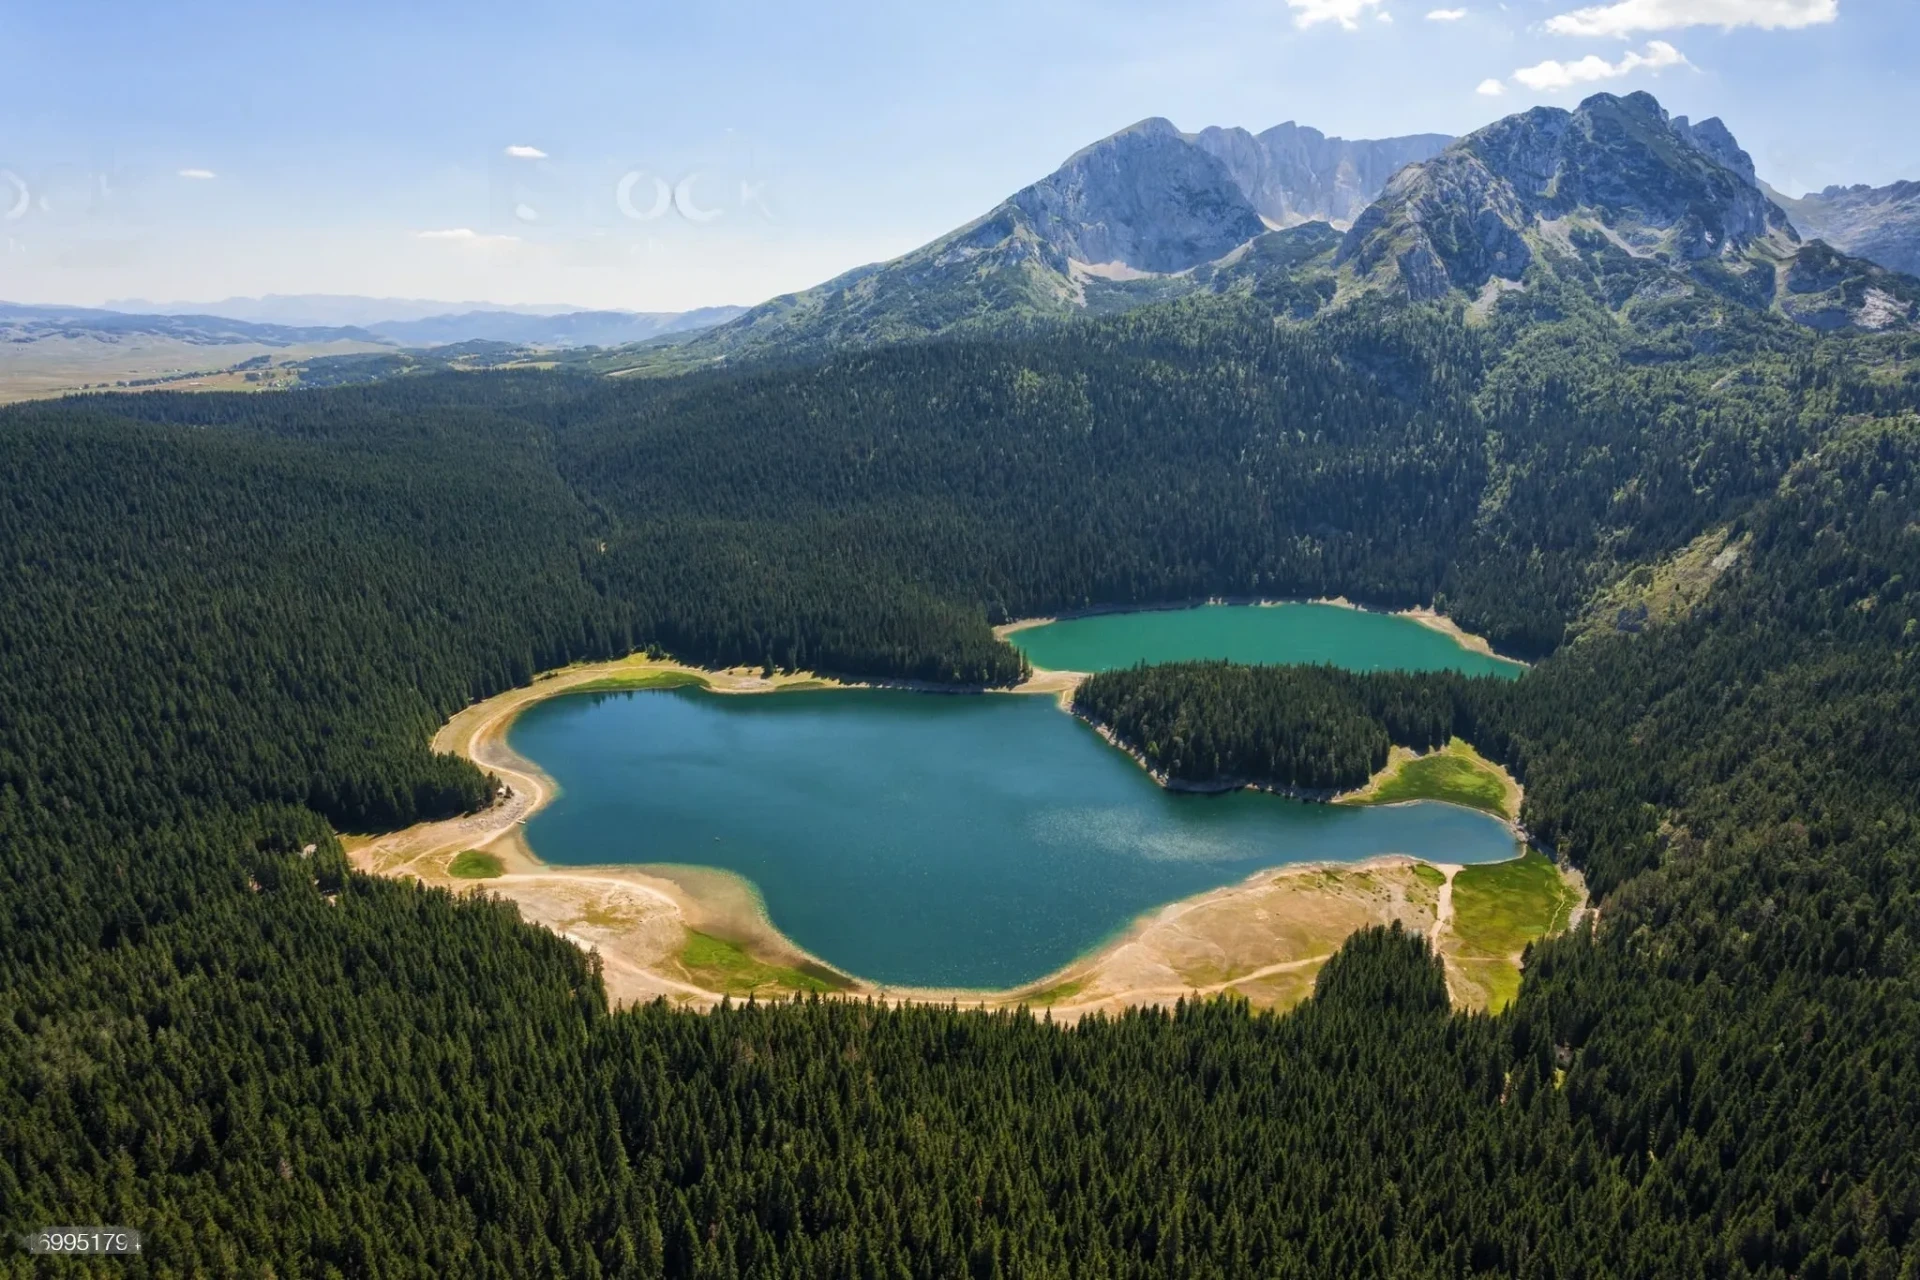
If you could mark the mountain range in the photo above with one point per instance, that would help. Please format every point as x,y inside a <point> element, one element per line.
<point>20,323</point>
<point>561,329</point>
<point>50,350</point>
<point>1147,213</point>
<point>1658,219</point>
<point>329,310</point>
<point>285,321</point>
<point>1641,211</point>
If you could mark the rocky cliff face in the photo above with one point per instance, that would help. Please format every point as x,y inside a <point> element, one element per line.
<point>1713,137</point>
<point>1659,189</point>
<point>1152,198</point>
<point>1294,174</point>
<point>1881,224</point>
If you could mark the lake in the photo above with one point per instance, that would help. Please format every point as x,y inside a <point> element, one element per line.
<point>923,839</point>
<point>1282,633</point>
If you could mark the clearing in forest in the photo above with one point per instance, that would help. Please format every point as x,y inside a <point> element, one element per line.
<point>1498,909</point>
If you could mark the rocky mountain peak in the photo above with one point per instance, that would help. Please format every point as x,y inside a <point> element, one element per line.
<point>1714,138</point>
<point>1144,198</point>
<point>1657,188</point>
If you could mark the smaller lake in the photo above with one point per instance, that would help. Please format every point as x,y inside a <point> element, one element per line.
<point>922,839</point>
<point>1281,633</point>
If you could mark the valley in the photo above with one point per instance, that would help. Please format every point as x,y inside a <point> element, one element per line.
<point>791,835</point>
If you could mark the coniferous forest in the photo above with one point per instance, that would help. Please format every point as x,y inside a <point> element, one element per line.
<point>231,623</point>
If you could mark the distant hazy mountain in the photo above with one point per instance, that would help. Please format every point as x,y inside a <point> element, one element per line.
<point>1145,214</point>
<point>1616,198</point>
<point>563,329</point>
<point>1293,174</point>
<point>569,329</point>
<point>1880,223</point>
<point>51,350</point>
<point>48,350</point>
<point>24,323</point>
<point>333,310</point>
<point>417,322</point>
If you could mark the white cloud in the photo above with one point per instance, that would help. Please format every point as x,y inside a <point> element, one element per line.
<point>1550,75</point>
<point>1628,16</point>
<point>1384,16</point>
<point>1490,88</point>
<point>1309,13</point>
<point>520,152</point>
<point>469,237</point>
<point>202,174</point>
<point>1445,15</point>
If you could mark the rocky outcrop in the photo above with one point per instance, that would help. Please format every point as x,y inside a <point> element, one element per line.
<point>1826,289</point>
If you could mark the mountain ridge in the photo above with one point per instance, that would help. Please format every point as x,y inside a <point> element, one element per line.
<point>1639,207</point>
<point>1146,213</point>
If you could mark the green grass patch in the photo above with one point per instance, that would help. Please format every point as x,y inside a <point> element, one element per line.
<point>1429,875</point>
<point>722,966</point>
<point>474,864</point>
<point>801,686</point>
<point>1056,993</point>
<point>643,680</point>
<point>1457,774</point>
<point>1500,907</point>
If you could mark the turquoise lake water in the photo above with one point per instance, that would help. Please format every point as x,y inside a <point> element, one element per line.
<point>1304,633</point>
<point>940,840</point>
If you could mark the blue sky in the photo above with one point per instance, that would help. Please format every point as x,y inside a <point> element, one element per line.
<point>727,151</point>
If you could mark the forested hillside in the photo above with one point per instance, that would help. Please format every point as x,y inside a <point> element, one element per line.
<point>233,621</point>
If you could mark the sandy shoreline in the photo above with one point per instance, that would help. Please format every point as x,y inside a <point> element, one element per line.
<point>1448,627</point>
<point>1263,938</point>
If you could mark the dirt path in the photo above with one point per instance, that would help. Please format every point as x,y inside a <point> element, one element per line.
<point>1443,910</point>
<point>1442,926</point>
